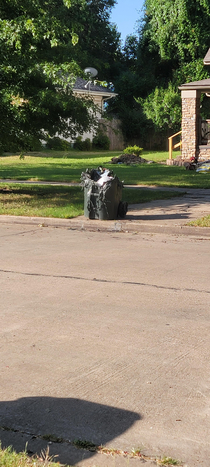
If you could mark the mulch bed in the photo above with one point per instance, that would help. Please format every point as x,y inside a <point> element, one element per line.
<point>129,159</point>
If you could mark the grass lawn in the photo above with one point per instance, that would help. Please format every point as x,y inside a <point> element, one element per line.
<point>67,167</point>
<point>60,166</point>
<point>60,201</point>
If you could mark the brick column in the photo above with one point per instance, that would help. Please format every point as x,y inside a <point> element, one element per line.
<point>190,123</point>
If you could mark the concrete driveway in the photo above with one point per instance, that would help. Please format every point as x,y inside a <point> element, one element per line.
<point>104,337</point>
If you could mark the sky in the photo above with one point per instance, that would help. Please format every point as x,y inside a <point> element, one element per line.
<point>125,14</point>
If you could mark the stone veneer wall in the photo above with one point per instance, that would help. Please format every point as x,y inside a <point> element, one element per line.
<point>190,123</point>
<point>204,153</point>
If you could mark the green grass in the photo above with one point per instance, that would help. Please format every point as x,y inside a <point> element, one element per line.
<point>10,458</point>
<point>60,201</point>
<point>169,461</point>
<point>67,167</point>
<point>67,202</point>
<point>41,201</point>
<point>202,222</point>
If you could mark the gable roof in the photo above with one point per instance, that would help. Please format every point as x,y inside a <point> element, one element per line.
<point>203,85</point>
<point>206,59</point>
<point>83,86</point>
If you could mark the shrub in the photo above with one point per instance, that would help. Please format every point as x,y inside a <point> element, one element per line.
<point>133,150</point>
<point>101,141</point>
<point>58,144</point>
<point>85,145</point>
<point>78,144</point>
<point>26,143</point>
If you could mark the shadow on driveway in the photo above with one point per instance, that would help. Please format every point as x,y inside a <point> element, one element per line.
<point>34,421</point>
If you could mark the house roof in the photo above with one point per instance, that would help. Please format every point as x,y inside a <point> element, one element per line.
<point>203,85</point>
<point>81,85</point>
<point>206,59</point>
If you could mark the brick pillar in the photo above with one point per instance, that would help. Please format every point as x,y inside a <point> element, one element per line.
<point>190,123</point>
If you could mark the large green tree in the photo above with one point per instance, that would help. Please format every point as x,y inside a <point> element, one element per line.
<point>44,44</point>
<point>99,41</point>
<point>178,29</point>
<point>174,37</point>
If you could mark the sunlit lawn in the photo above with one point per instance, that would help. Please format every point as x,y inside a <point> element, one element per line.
<point>67,167</point>
<point>60,201</point>
<point>67,202</point>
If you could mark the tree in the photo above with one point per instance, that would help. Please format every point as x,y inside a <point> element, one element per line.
<point>36,73</point>
<point>178,29</point>
<point>99,41</point>
<point>163,107</point>
<point>174,37</point>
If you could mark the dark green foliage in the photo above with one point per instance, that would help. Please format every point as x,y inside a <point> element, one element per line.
<point>174,38</point>
<point>101,141</point>
<point>78,144</point>
<point>85,145</point>
<point>44,45</point>
<point>99,41</point>
<point>58,144</point>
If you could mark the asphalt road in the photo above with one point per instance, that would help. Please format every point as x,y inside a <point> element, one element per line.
<point>104,337</point>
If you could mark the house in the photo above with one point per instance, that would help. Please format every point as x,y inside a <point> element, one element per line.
<point>100,95</point>
<point>195,131</point>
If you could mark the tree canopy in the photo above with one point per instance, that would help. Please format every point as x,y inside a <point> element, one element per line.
<point>43,46</point>
<point>174,36</point>
<point>177,29</point>
<point>168,51</point>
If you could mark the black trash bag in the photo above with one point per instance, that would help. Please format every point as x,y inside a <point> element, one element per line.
<point>102,195</point>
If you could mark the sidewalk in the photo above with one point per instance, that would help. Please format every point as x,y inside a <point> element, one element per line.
<point>161,216</point>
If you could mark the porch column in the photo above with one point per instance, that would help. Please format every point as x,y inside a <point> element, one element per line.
<point>190,122</point>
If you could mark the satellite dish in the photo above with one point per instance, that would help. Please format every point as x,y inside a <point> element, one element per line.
<point>91,71</point>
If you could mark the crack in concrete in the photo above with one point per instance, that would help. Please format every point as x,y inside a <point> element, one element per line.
<point>91,447</point>
<point>106,281</point>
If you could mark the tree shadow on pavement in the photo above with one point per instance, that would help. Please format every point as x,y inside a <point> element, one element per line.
<point>39,422</point>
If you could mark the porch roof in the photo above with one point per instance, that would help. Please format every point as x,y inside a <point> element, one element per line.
<point>203,85</point>
<point>206,59</point>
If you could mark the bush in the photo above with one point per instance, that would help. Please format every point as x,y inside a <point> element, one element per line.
<point>101,141</point>
<point>87,145</point>
<point>27,143</point>
<point>133,150</point>
<point>58,144</point>
<point>82,145</point>
<point>78,144</point>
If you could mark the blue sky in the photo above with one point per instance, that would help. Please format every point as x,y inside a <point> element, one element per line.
<point>125,14</point>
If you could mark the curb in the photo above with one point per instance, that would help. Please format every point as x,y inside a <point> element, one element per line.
<point>84,224</point>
